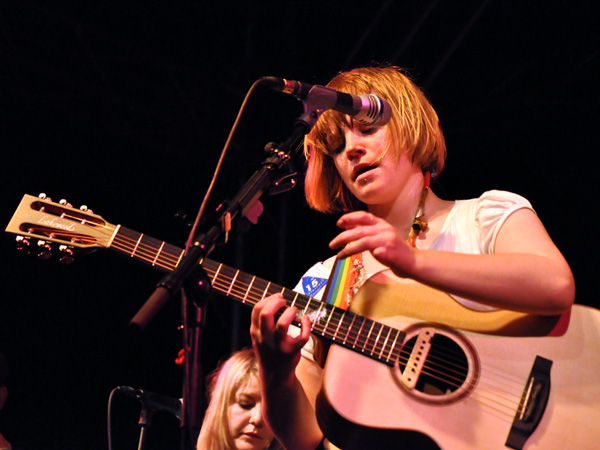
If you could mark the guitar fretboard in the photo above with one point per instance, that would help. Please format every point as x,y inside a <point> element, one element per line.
<point>357,333</point>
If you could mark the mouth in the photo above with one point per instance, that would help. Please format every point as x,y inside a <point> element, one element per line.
<point>253,436</point>
<point>359,170</point>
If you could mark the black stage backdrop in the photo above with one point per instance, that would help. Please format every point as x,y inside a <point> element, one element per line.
<point>125,106</point>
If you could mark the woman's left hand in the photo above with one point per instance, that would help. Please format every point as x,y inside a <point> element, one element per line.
<point>365,232</point>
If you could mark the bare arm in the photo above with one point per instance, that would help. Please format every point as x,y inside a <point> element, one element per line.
<point>526,273</point>
<point>288,408</point>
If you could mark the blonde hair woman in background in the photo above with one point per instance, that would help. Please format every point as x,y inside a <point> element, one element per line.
<point>233,419</point>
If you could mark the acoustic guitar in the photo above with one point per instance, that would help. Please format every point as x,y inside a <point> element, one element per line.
<point>456,381</point>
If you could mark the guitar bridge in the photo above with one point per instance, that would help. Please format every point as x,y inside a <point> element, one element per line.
<point>532,405</point>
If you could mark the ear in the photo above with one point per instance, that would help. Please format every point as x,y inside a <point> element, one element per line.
<point>3,395</point>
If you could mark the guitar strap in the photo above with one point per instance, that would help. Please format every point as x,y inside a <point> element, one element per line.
<point>345,279</point>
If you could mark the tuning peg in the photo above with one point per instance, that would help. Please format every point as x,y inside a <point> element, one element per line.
<point>65,203</point>
<point>44,250</point>
<point>66,254</point>
<point>43,196</point>
<point>85,208</point>
<point>23,245</point>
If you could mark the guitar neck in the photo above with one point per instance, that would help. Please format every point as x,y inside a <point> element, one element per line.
<point>40,218</point>
<point>363,335</point>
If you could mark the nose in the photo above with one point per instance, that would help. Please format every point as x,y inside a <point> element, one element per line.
<point>256,417</point>
<point>353,147</point>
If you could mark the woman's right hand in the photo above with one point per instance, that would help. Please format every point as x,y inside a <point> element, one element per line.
<point>287,409</point>
<point>277,351</point>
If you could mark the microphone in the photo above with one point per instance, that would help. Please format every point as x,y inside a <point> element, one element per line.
<point>368,109</point>
<point>153,401</point>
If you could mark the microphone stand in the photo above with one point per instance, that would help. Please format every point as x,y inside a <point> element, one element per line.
<point>269,177</point>
<point>144,422</point>
<point>193,294</point>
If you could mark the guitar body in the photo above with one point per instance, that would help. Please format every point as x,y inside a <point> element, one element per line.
<point>363,397</point>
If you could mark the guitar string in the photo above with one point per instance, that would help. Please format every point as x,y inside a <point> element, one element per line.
<point>169,261</point>
<point>224,285</point>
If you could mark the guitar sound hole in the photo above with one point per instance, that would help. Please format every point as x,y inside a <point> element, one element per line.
<point>450,370</point>
<point>446,367</point>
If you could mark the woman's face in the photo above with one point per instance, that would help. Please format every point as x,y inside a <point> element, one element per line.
<point>246,425</point>
<point>373,175</point>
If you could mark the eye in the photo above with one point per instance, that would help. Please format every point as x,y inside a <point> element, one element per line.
<point>368,130</point>
<point>246,402</point>
<point>336,146</point>
<point>339,149</point>
<point>333,138</point>
<point>246,406</point>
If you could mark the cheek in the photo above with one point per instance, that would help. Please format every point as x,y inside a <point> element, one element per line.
<point>336,161</point>
<point>237,419</point>
<point>341,168</point>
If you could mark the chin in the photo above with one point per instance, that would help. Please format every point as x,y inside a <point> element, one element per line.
<point>369,196</point>
<point>254,444</point>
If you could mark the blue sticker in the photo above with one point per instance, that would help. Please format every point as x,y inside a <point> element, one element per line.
<point>312,285</point>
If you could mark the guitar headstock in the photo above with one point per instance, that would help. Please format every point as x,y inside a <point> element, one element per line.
<point>41,224</point>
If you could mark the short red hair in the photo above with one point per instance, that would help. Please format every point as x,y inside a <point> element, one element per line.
<point>414,128</point>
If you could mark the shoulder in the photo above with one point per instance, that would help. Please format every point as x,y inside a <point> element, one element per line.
<point>491,210</point>
<point>494,200</point>
<point>473,224</point>
<point>490,207</point>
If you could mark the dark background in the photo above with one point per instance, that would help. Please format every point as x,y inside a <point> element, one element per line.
<point>125,106</point>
